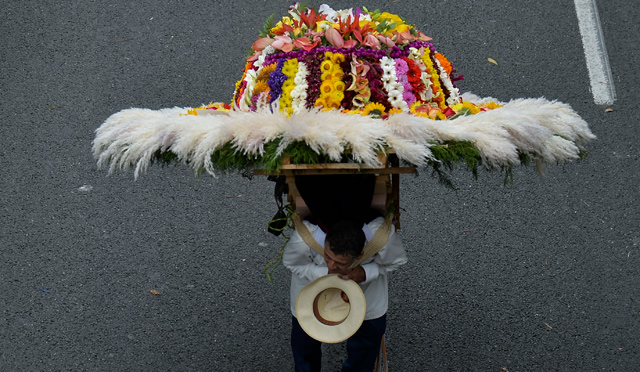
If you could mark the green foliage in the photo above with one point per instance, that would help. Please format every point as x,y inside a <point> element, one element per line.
<point>268,25</point>
<point>164,158</point>
<point>446,156</point>
<point>450,153</point>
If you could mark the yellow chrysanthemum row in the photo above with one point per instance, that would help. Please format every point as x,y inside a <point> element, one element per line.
<point>290,69</point>
<point>332,87</point>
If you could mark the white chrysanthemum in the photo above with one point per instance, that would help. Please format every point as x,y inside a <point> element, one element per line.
<point>299,93</point>
<point>268,50</point>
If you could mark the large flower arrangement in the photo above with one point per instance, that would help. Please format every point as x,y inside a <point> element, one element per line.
<point>354,60</point>
<point>334,86</point>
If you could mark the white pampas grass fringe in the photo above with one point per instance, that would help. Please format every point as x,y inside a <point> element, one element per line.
<point>550,131</point>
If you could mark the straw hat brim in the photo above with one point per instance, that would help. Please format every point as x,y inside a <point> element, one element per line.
<point>324,332</point>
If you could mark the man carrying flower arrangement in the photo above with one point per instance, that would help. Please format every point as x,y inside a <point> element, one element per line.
<point>356,247</point>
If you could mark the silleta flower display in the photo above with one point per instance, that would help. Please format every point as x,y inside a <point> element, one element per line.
<point>356,61</point>
<point>342,86</point>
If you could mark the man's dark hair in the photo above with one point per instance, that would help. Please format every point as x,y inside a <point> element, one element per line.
<point>346,238</point>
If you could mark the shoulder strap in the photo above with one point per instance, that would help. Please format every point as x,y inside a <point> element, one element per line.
<point>306,235</point>
<point>379,239</point>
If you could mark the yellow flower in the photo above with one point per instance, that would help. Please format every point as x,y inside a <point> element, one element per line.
<point>286,89</point>
<point>337,96</point>
<point>288,85</point>
<point>364,23</point>
<point>337,74</point>
<point>266,71</point>
<point>261,86</point>
<point>373,108</point>
<point>391,19</point>
<point>290,68</point>
<point>403,28</point>
<point>395,110</point>
<point>277,27</point>
<point>472,108</point>
<point>326,87</point>
<point>320,102</point>
<point>337,58</point>
<point>326,65</point>
<point>492,105</point>
<point>339,85</point>
<point>331,103</point>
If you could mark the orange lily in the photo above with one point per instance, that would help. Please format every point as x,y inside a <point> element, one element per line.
<point>305,43</point>
<point>312,18</point>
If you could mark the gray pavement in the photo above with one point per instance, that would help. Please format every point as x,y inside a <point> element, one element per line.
<point>533,276</point>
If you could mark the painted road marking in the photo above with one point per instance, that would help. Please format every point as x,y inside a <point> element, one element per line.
<point>595,53</point>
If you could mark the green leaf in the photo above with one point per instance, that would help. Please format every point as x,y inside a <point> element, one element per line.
<point>268,25</point>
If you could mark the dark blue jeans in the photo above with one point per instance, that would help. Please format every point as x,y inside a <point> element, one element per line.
<point>362,348</point>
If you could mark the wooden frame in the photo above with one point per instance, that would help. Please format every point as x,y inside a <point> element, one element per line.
<point>387,180</point>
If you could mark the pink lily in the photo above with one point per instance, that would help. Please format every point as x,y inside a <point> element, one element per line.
<point>386,41</point>
<point>283,43</point>
<point>423,37</point>
<point>371,41</point>
<point>403,37</point>
<point>255,56</point>
<point>334,37</point>
<point>261,43</point>
<point>350,43</point>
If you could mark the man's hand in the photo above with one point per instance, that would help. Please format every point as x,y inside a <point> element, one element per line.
<point>357,275</point>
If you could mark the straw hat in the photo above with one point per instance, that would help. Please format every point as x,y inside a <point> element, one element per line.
<point>331,309</point>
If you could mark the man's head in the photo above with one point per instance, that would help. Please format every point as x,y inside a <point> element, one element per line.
<point>343,245</point>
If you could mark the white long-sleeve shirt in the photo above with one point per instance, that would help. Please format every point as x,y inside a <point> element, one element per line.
<point>306,265</point>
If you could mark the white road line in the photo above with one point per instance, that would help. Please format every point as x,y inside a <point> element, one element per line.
<point>595,52</point>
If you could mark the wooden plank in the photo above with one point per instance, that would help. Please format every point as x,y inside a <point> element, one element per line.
<point>307,169</point>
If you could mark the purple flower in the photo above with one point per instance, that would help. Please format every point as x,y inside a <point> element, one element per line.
<point>276,79</point>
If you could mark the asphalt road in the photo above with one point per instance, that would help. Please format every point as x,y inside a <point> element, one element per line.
<point>532,276</point>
